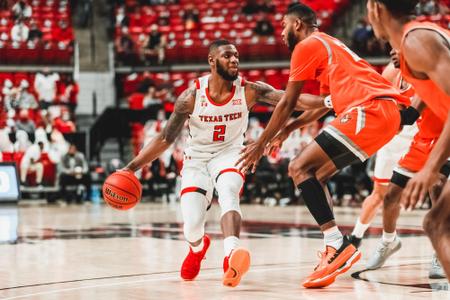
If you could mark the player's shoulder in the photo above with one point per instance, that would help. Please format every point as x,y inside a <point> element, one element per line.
<point>422,46</point>
<point>311,45</point>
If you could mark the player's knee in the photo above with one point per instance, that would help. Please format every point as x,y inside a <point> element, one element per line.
<point>298,171</point>
<point>229,187</point>
<point>392,199</point>
<point>193,208</point>
<point>193,231</point>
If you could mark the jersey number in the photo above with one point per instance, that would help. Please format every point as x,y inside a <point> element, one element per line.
<point>219,133</point>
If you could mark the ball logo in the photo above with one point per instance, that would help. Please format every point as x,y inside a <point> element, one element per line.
<point>5,184</point>
<point>115,196</point>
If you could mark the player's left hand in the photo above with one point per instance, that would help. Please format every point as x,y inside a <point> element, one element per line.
<point>250,157</point>
<point>417,188</point>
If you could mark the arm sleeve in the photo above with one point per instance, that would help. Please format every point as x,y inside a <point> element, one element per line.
<point>307,57</point>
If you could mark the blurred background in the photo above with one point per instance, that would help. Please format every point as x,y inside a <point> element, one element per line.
<point>85,84</point>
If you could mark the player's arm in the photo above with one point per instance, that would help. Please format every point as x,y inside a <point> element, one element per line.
<point>410,114</point>
<point>265,93</point>
<point>428,53</point>
<point>304,119</point>
<point>183,108</point>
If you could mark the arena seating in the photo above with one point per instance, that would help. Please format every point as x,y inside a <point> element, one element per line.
<point>230,23</point>
<point>57,45</point>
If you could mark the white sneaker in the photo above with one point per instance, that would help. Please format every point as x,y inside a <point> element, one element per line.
<point>436,270</point>
<point>382,253</point>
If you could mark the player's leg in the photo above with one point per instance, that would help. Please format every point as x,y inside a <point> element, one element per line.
<point>437,227</point>
<point>194,200</point>
<point>229,183</point>
<point>352,136</point>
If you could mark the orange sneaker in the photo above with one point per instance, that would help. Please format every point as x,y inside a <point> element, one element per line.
<point>226,260</point>
<point>333,263</point>
<point>237,265</point>
<point>192,262</point>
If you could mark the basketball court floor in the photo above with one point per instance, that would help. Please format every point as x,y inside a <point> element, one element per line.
<point>95,252</point>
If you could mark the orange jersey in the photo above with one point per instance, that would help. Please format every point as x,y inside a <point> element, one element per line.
<point>350,80</point>
<point>435,98</point>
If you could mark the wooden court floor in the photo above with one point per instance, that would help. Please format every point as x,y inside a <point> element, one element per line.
<point>94,252</point>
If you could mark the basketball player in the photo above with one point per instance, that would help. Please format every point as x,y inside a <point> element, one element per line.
<point>425,63</point>
<point>216,109</point>
<point>388,156</point>
<point>367,118</point>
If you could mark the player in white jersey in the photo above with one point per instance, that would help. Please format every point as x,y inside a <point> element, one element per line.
<point>216,109</point>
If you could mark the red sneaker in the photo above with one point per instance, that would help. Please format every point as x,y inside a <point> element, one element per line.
<point>192,262</point>
<point>238,265</point>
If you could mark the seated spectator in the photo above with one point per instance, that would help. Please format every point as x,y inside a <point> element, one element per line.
<point>154,46</point>
<point>58,147</point>
<point>5,142</point>
<point>191,17</point>
<point>22,141</point>
<point>251,7</point>
<point>122,19</point>
<point>31,163</point>
<point>19,32</point>
<point>164,18</point>
<point>63,33</point>
<point>25,123</point>
<point>427,7</point>
<point>26,100</point>
<point>125,47</point>
<point>74,172</point>
<point>264,27</point>
<point>9,96</point>
<point>361,36</point>
<point>21,10</point>
<point>35,34</point>
<point>151,98</point>
<point>45,86</point>
<point>69,95</point>
<point>267,6</point>
<point>64,124</point>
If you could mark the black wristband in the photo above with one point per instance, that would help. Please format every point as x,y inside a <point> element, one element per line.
<point>409,116</point>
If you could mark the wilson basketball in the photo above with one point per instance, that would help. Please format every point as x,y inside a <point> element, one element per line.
<point>122,190</point>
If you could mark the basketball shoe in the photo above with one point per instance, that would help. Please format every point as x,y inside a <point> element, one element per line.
<point>382,253</point>
<point>436,270</point>
<point>333,263</point>
<point>235,266</point>
<point>354,240</point>
<point>192,262</point>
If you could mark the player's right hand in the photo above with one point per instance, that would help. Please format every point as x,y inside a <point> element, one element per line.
<point>276,142</point>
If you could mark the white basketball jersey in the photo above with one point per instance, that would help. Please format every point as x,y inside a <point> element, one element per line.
<point>215,127</point>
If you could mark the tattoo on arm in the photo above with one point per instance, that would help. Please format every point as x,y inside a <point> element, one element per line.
<point>265,93</point>
<point>183,107</point>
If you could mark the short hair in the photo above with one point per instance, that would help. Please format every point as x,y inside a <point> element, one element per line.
<point>400,8</point>
<point>217,43</point>
<point>304,13</point>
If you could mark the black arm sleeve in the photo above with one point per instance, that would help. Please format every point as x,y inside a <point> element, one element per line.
<point>409,115</point>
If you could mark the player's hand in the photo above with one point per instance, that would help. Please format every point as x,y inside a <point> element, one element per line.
<point>276,142</point>
<point>417,188</point>
<point>250,157</point>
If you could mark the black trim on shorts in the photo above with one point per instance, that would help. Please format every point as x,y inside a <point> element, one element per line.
<point>336,151</point>
<point>399,179</point>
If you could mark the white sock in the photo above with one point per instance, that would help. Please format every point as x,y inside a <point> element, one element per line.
<point>198,248</point>
<point>360,229</point>
<point>230,243</point>
<point>333,237</point>
<point>389,237</point>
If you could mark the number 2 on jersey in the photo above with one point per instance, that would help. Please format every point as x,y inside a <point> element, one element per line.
<point>219,133</point>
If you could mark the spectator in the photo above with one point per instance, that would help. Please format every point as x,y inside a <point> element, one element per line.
<point>35,34</point>
<point>154,46</point>
<point>5,142</point>
<point>427,7</point>
<point>164,18</point>
<point>58,147</point>
<point>191,18</point>
<point>150,98</point>
<point>267,6</point>
<point>125,47</point>
<point>31,163</point>
<point>63,34</point>
<point>74,172</point>
<point>21,10</point>
<point>22,141</point>
<point>361,36</point>
<point>251,7</point>
<point>45,86</point>
<point>9,96</point>
<point>19,32</point>
<point>25,123</point>
<point>70,93</point>
<point>264,27</point>
<point>25,99</point>
<point>64,124</point>
<point>122,20</point>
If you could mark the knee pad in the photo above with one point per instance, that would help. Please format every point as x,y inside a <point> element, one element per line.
<point>193,209</point>
<point>229,186</point>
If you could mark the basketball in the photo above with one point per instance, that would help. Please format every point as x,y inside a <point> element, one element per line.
<point>122,190</point>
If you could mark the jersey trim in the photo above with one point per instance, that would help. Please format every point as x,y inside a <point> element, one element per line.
<point>197,84</point>
<point>327,46</point>
<point>230,170</point>
<point>233,90</point>
<point>193,189</point>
